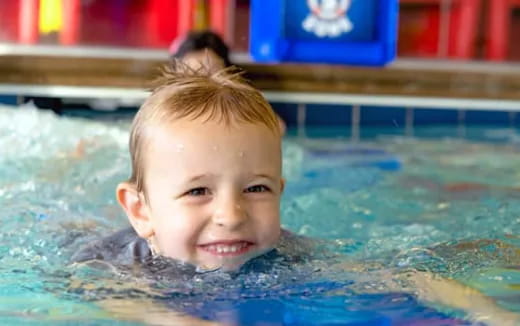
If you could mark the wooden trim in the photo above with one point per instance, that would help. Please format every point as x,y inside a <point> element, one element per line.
<point>416,81</point>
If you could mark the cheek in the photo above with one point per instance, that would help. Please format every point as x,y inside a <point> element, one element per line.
<point>269,232</point>
<point>267,217</point>
<point>173,239</point>
<point>176,227</point>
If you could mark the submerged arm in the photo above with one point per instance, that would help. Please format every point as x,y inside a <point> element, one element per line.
<point>137,309</point>
<point>437,290</point>
<point>451,293</point>
<point>150,313</point>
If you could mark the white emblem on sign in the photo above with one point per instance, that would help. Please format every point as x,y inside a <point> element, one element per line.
<point>328,18</point>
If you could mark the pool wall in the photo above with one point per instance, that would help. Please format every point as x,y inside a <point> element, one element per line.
<point>323,115</point>
<point>9,100</point>
<point>340,115</point>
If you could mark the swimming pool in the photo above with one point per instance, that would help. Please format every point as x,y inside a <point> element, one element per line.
<point>436,202</point>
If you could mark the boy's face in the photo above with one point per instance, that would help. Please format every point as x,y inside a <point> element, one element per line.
<point>213,191</point>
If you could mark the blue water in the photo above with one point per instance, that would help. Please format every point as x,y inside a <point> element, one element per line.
<point>439,202</point>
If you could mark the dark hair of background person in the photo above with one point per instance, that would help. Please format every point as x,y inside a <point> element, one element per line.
<point>200,40</point>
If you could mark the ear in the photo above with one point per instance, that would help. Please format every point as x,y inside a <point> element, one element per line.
<point>282,185</point>
<point>134,205</point>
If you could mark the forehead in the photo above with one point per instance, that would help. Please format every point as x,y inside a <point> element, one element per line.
<point>183,142</point>
<point>204,128</point>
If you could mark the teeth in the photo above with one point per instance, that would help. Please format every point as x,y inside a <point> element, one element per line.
<point>222,249</point>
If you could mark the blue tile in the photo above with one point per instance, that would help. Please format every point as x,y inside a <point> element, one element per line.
<point>10,100</point>
<point>435,116</point>
<point>328,115</point>
<point>329,131</point>
<point>371,132</point>
<point>487,117</point>
<point>516,118</point>
<point>323,115</point>
<point>287,111</point>
<point>513,118</point>
<point>382,116</point>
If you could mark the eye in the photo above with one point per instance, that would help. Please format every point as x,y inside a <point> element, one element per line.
<point>200,191</point>
<point>257,188</point>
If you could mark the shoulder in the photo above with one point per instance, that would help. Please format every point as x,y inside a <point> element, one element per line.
<point>295,247</point>
<point>296,241</point>
<point>124,247</point>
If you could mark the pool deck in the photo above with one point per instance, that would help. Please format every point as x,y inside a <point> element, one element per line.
<point>126,74</point>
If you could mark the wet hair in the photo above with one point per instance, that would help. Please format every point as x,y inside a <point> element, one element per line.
<point>200,40</point>
<point>182,92</point>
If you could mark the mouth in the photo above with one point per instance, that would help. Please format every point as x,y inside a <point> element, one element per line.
<point>227,248</point>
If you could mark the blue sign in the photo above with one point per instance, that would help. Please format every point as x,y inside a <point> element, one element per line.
<point>328,31</point>
<point>342,21</point>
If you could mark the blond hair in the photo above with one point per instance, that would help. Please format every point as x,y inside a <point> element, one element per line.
<point>202,93</point>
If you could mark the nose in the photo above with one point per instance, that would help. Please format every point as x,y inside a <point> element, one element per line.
<point>229,213</point>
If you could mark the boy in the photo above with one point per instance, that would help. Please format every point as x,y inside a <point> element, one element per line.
<point>206,175</point>
<point>206,185</point>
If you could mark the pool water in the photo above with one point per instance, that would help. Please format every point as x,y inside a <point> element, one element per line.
<point>438,202</point>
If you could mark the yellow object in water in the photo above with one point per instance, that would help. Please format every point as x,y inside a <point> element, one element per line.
<point>51,16</point>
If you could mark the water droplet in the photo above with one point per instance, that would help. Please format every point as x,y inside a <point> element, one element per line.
<point>443,205</point>
<point>241,154</point>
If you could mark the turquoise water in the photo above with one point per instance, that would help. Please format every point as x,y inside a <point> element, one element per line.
<point>442,201</point>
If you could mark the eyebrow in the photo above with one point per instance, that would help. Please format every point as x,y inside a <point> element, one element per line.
<point>199,176</point>
<point>266,176</point>
<point>205,175</point>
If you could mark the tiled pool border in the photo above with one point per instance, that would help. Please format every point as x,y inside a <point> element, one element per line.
<point>318,109</point>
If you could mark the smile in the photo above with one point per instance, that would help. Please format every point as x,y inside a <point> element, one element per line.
<point>227,249</point>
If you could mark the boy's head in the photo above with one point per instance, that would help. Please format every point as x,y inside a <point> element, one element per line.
<point>206,169</point>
